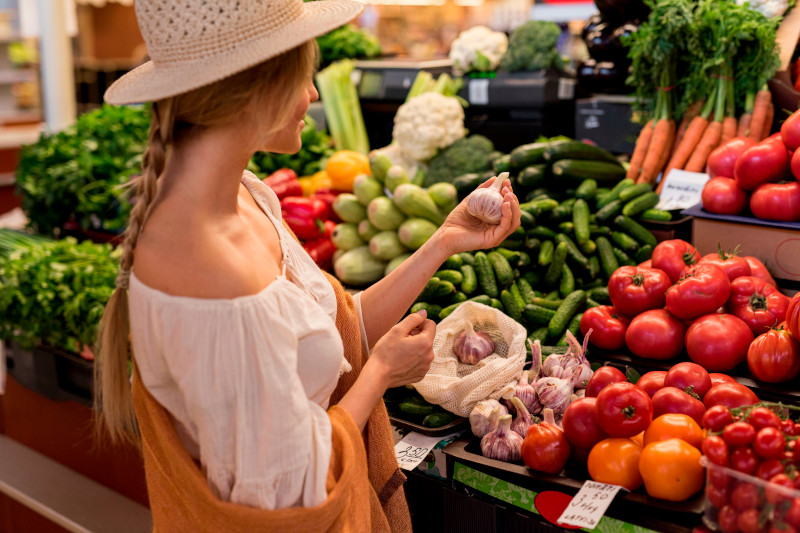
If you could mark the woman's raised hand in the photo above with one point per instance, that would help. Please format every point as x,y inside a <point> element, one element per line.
<point>406,351</point>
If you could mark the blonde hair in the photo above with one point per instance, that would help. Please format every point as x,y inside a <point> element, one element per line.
<point>275,83</point>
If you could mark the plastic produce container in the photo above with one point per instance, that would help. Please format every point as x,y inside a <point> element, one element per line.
<point>773,501</point>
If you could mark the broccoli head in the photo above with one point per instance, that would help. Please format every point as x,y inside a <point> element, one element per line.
<point>532,46</point>
<point>470,154</point>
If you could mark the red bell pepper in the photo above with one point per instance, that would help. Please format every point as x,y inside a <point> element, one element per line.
<point>305,216</point>
<point>321,251</point>
<point>328,196</point>
<point>284,183</point>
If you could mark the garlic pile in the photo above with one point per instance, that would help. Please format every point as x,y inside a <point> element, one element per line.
<point>484,417</point>
<point>502,443</point>
<point>472,346</point>
<point>526,392</point>
<point>486,204</point>
<point>562,374</point>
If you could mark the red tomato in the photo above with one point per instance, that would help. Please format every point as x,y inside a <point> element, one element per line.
<point>608,327</point>
<point>723,197</point>
<point>672,400</point>
<point>702,290</point>
<point>790,131</point>
<point>655,334</point>
<point>761,417</point>
<point>690,378</point>
<point>722,160</point>
<point>769,468</point>
<point>794,164</point>
<point>718,341</point>
<point>580,426</point>
<point>769,443</point>
<point>748,522</point>
<point>744,497</point>
<point>793,316</point>
<point>717,496</point>
<point>650,382</point>
<point>730,263</point>
<point>774,494</point>
<point>646,264</point>
<point>545,448</point>
<point>634,290</point>
<point>744,460</point>
<point>623,410</point>
<point>793,513</point>
<point>758,270</point>
<point>765,162</point>
<point>717,378</point>
<point>759,304</point>
<point>774,356</point>
<point>601,378</point>
<point>730,395</point>
<point>739,434</point>
<point>716,418</point>
<point>716,450</point>
<point>673,257</point>
<point>727,519</point>
<point>777,201</point>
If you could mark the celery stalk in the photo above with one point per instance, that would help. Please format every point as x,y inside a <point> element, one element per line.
<point>343,107</point>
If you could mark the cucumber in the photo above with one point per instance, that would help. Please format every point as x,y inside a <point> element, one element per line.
<point>497,304</point>
<point>624,242</point>
<point>552,295</point>
<point>567,283</point>
<point>453,276</point>
<point>542,232</point>
<point>470,281</point>
<point>414,408</point>
<point>538,207</point>
<point>546,253</point>
<point>623,258</point>
<point>580,217</point>
<point>481,299</point>
<point>609,211</point>
<point>600,171</point>
<point>526,220</point>
<point>559,214</point>
<point>467,183</point>
<point>544,302</point>
<point>525,290</point>
<point>517,294</point>
<point>453,262</point>
<point>528,154</point>
<point>539,334</point>
<point>532,278</point>
<point>594,265</point>
<point>432,310</point>
<point>573,252</point>
<point>447,311</point>
<point>587,189</point>
<point>535,314</point>
<point>532,176</point>
<point>437,420</point>
<point>608,260</point>
<point>577,150</point>
<point>459,297</point>
<point>594,230</point>
<point>644,253</point>
<point>444,289</point>
<point>589,247</point>
<point>635,230</point>
<point>485,273</point>
<point>510,305</point>
<point>592,303</point>
<point>502,269</point>
<point>502,164</point>
<point>524,258</point>
<point>615,192</point>
<point>574,327</point>
<point>657,215</point>
<point>512,256</point>
<point>429,290</point>
<point>640,204</point>
<point>600,294</point>
<point>513,243</point>
<point>557,266</point>
<point>565,312</point>
<point>629,193</point>
<point>566,227</point>
<point>467,258</point>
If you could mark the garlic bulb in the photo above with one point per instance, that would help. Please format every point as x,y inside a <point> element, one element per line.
<point>472,346</point>
<point>523,420</point>
<point>484,416</point>
<point>536,362</point>
<point>556,393</point>
<point>486,204</point>
<point>502,443</point>
<point>527,393</point>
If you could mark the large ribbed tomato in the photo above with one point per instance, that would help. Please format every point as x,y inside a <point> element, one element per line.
<point>793,316</point>
<point>759,304</point>
<point>774,356</point>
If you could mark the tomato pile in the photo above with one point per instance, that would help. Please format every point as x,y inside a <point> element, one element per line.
<point>752,468</point>
<point>763,176</point>
<point>721,309</point>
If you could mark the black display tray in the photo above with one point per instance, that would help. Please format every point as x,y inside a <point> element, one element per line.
<point>633,507</point>
<point>52,372</point>
<point>456,425</point>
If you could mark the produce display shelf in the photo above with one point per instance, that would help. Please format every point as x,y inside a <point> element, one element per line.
<point>52,372</point>
<point>456,425</point>
<point>517,485</point>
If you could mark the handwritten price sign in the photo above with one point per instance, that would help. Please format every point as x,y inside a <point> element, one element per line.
<point>682,190</point>
<point>413,449</point>
<point>589,505</point>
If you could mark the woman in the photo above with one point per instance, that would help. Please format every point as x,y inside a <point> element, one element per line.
<point>252,388</point>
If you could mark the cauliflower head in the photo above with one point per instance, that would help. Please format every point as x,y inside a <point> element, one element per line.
<point>768,8</point>
<point>427,123</point>
<point>478,48</point>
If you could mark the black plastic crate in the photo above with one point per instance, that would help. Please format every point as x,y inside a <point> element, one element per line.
<point>55,374</point>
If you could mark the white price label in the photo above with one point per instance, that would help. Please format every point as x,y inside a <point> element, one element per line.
<point>413,449</point>
<point>566,88</point>
<point>479,92</point>
<point>682,190</point>
<point>589,505</point>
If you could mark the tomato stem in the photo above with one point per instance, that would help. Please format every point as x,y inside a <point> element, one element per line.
<point>629,412</point>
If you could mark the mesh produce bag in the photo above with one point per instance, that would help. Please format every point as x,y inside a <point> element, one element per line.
<point>457,386</point>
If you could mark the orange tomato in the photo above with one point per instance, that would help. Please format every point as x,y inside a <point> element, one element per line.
<point>671,469</point>
<point>674,426</point>
<point>639,439</point>
<point>616,461</point>
<point>343,167</point>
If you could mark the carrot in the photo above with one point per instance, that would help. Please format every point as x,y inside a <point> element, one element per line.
<point>667,154</point>
<point>768,122</point>
<point>744,124</point>
<point>658,145</point>
<point>708,142</point>
<point>640,150</point>
<point>692,111</point>
<point>729,125</point>
<point>690,139</point>
<point>760,111</point>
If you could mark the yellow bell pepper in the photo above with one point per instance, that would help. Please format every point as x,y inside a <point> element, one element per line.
<point>307,184</point>
<point>321,180</point>
<point>344,166</point>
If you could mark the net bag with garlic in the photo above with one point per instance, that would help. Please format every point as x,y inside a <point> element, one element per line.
<point>491,346</point>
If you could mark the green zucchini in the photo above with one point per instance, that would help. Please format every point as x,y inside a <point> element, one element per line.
<point>535,314</point>
<point>470,281</point>
<point>453,276</point>
<point>580,217</point>
<point>607,258</point>
<point>485,273</point>
<point>432,310</point>
<point>625,242</point>
<point>567,282</point>
<point>629,193</point>
<point>587,189</point>
<point>635,230</point>
<point>502,269</point>
<point>532,176</point>
<point>640,204</point>
<point>556,268</point>
<point>600,171</point>
<point>453,262</point>
<point>577,150</point>
<point>565,312</point>
<point>510,305</point>
<point>615,192</point>
<point>656,215</point>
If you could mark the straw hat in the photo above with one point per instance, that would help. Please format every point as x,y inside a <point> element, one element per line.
<point>193,43</point>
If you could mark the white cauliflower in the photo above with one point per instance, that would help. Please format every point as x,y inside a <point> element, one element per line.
<point>478,48</point>
<point>768,8</point>
<point>427,123</point>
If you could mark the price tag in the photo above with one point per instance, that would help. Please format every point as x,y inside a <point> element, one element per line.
<point>682,189</point>
<point>589,505</point>
<point>479,91</point>
<point>566,88</point>
<point>413,449</point>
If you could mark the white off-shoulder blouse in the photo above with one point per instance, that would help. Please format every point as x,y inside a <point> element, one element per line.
<point>247,380</point>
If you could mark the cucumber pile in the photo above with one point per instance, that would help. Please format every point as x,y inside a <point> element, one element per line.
<point>408,404</point>
<point>556,264</point>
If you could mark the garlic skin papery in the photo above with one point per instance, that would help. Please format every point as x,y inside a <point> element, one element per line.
<point>486,204</point>
<point>556,393</point>
<point>526,392</point>
<point>484,416</point>
<point>523,420</point>
<point>502,443</point>
<point>472,346</point>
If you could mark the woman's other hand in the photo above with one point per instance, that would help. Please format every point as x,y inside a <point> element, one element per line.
<point>462,232</point>
<point>405,353</point>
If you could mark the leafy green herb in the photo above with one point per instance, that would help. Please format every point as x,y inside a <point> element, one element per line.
<point>317,148</point>
<point>348,42</point>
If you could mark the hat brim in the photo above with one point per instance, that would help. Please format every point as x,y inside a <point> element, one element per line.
<point>148,82</point>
